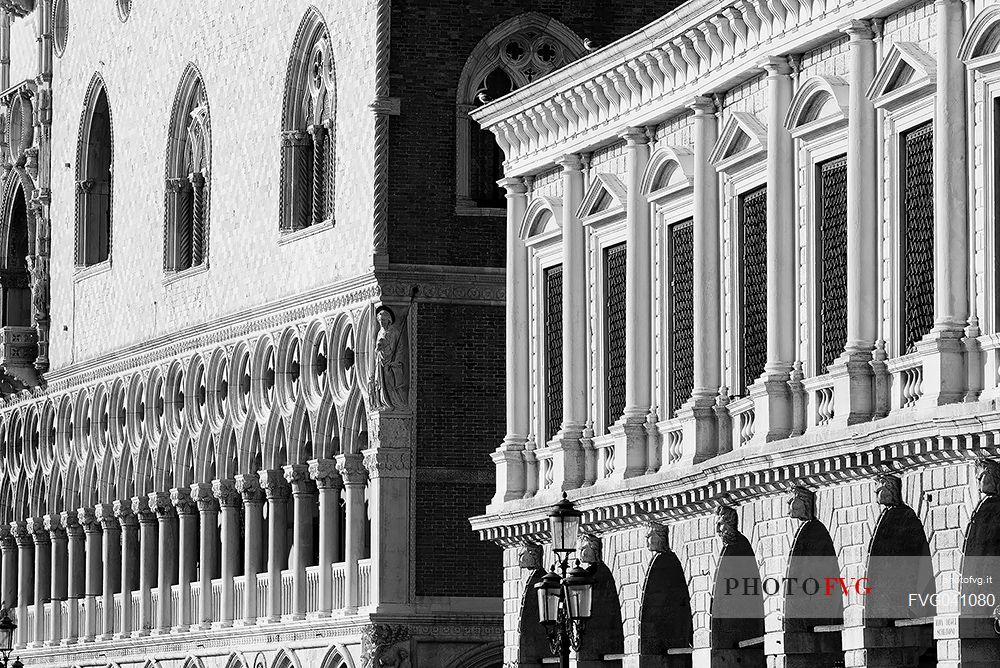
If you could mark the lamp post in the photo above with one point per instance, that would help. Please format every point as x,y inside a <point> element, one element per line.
<point>564,598</point>
<point>7,627</point>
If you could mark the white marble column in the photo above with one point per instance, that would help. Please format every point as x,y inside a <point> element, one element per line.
<point>328,481</point>
<point>129,563</point>
<point>187,552</point>
<point>230,502</point>
<point>630,455</point>
<point>8,568</point>
<point>771,394</point>
<point>58,575</point>
<point>166,519</point>
<point>76,573</point>
<point>277,491</point>
<point>253,502</point>
<point>509,457</point>
<point>567,459</point>
<point>43,570</point>
<point>112,564</point>
<point>304,500</point>
<point>700,435</point>
<point>853,389</point>
<point>93,567</point>
<point>352,470</point>
<point>148,557</point>
<point>25,576</point>
<point>208,509</point>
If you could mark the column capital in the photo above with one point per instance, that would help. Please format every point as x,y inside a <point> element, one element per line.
<point>248,485</point>
<point>570,162</point>
<point>87,518</point>
<point>36,527</point>
<point>635,136</point>
<point>776,66</point>
<point>203,496</point>
<point>513,185</point>
<point>161,504</point>
<point>702,105</point>
<point>19,530</point>
<point>124,514</point>
<point>297,476</point>
<point>226,494</point>
<point>387,463</point>
<point>54,525</point>
<point>325,473</point>
<point>143,510</point>
<point>7,541</point>
<point>181,500</point>
<point>275,487</point>
<point>71,521</point>
<point>352,468</point>
<point>858,30</point>
<point>105,514</point>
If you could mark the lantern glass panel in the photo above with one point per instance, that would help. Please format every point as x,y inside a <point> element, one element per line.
<point>565,530</point>
<point>578,599</point>
<point>548,605</point>
<point>6,632</point>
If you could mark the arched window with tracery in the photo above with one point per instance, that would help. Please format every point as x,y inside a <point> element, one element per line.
<point>308,129</point>
<point>513,54</point>
<point>94,178</point>
<point>14,279</point>
<point>189,159</point>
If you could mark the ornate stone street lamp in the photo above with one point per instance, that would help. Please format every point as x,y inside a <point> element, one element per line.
<point>564,598</point>
<point>7,627</point>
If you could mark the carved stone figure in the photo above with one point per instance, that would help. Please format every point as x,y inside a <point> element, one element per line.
<point>889,490</point>
<point>988,474</point>
<point>802,504</point>
<point>385,645</point>
<point>726,524</point>
<point>588,549</point>
<point>656,539</point>
<point>389,375</point>
<point>39,289</point>
<point>530,557</point>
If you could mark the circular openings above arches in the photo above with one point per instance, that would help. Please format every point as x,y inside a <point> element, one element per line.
<point>135,408</point>
<point>124,9</point>
<point>342,358</point>
<point>117,413</point>
<point>239,383</point>
<point>263,378</point>
<point>60,26</point>
<point>288,377</point>
<point>20,124</point>
<point>195,395</point>
<point>174,402</point>
<point>315,364</point>
<point>216,386</point>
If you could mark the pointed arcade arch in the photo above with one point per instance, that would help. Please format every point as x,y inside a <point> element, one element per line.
<point>16,231</point>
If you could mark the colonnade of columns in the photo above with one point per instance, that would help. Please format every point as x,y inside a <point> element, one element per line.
<point>156,542</point>
<point>774,398</point>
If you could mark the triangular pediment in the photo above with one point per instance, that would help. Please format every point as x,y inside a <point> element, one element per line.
<point>743,138</point>
<point>606,194</point>
<point>907,73</point>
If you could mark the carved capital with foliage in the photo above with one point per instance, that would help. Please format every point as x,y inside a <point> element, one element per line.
<point>379,645</point>
<point>352,468</point>
<point>325,473</point>
<point>226,494</point>
<point>248,485</point>
<point>387,463</point>
<point>298,477</point>
<point>275,487</point>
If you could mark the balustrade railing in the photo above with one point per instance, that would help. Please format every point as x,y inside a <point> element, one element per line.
<point>287,591</point>
<point>364,582</point>
<point>118,618</point>
<point>312,589</point>
<point>29,626</point>
<point>744,419</point>
<point>175,605</point>
<point>196,603</point>
<point>99,616</point>
<point>135,610</point>
<point>907,379</point>
<point>262,595</point>
<point>339,585</point>
<point>47,611</point>
<point>216,601</point>
<point>604,448</point>
<point>239,596</point>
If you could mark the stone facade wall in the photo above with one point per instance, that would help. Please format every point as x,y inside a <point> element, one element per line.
<point>243,58</point>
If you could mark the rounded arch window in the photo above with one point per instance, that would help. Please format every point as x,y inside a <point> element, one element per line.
<point>60,26</point>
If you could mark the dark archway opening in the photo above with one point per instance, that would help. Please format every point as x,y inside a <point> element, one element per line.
<point>813,620</point>
<point>738,609</point>
<point>899,613</point>
<point>16,310</point>
<point>980,644</point>
<point>666,625</point>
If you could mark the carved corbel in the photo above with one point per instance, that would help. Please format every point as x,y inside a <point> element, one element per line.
<point>529,557</point>
<point>988,474</point>
<point>657,539</point>
<point>802,504</point>
<point>727,524</point>
<point>889,490</point>
<point>589,549</point>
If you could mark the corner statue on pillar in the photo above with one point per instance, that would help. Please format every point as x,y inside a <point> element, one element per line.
<point>390,373</point>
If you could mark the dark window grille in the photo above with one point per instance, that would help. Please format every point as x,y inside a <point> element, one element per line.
<point>832,265</point>
<point>681,377</point>
<point>753,275</point>
<point>917,208</point>
<point>553,351</point>
<point>614,309</point>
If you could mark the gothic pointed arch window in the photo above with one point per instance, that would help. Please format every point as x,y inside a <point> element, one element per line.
<point>189,174</point>
<point>15,310</point>
<point>308,129</point>
<point>512,55</point>
<point>94,178</point>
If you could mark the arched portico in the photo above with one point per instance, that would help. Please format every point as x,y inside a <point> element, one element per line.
<point>665,620</point>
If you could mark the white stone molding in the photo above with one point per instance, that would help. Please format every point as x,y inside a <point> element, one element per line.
<point>743,140</point>
<point>670,170</point>
<point>979,47</point>
<point>542,220</point>
<point>605,199</point>
<point>907,73</point>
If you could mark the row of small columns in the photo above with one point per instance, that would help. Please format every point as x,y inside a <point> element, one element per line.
<point>854,395</point>
<point>153,541</point>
